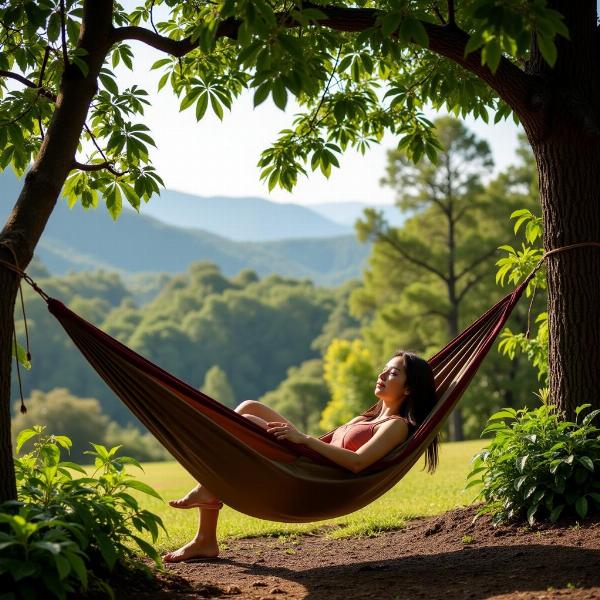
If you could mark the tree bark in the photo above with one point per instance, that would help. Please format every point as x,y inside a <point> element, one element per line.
<point>570,195</point>
<point>8,292</point>
<point>40,193</point>
<point>567,151</point>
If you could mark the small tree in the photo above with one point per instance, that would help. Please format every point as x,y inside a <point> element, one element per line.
<point>445,251</point>
<point>80,419</point>
<point>350,375</point>
<point>301,396</point>
<point>217,386</point>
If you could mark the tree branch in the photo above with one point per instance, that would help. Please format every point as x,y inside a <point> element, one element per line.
<point>512,84</point>
<point>41,128</point>
<point>415,261</point>
<point>42,91</point>
<point>475,263</point>
<point>98,167</point>
<point>152,18</point>
<point>63,34</point>
<point>95,142</point>
<point>438,12</point>
<point>469,285</point>
<point>451,14</point>
<point>326,90</point>
<point>107,164</point>
<point>43,69</point>
<point>19,116</point>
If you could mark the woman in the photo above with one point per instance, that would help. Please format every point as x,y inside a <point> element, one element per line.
<point>406,392</point>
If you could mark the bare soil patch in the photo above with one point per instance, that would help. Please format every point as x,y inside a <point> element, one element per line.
<point>445,557</point>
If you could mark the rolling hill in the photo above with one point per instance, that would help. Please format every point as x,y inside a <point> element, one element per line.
<point>75,239</point>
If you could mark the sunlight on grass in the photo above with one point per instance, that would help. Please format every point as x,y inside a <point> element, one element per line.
<point>418,494</point>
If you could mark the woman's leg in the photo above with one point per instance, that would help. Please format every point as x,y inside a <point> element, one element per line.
<point>204,545</point>
<point>253,408</point>
<point>200,497</point>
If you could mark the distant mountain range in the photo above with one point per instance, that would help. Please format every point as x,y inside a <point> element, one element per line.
<point>347,213</point>
<point>251,219</point>
<point>246,219</point>
<point>82,240</point>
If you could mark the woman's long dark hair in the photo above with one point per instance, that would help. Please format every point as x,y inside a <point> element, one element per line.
<point>418,403</point>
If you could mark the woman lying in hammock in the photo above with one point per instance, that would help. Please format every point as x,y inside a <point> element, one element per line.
<point>406,392</point>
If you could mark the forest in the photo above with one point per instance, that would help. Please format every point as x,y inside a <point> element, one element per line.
<point>311,352</point>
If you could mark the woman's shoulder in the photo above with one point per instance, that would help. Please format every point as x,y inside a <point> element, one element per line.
<point>359,419</point>
<point>395,421</point>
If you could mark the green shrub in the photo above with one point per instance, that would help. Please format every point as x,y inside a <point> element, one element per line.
<point>64,528</point>
<point>39,554</point>
<point>539,466</point>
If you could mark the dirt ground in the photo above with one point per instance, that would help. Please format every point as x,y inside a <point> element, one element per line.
<point>445,557</point>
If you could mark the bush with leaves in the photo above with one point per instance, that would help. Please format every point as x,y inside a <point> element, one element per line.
<point>39,554</point>
<point>65,528</point>
<point>539,466</point>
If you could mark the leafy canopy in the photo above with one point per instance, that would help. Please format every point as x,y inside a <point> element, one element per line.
<point>357,70</point>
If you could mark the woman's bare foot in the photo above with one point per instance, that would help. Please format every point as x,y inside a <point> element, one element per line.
<point>199,497</point>
<point>197,548</point>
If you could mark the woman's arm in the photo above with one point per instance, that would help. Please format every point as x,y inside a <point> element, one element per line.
<point>386,438</point>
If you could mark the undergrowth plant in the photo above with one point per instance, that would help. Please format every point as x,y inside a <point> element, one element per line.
<point>539,466</point>
<point>64,528</point>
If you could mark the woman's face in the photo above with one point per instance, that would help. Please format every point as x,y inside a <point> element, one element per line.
<point>392,380</point>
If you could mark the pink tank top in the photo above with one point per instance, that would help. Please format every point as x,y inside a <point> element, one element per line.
<point>354,435</point>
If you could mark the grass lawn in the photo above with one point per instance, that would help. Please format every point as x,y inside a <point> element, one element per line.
<point>418,494</point>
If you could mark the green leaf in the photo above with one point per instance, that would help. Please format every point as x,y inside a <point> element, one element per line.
<point>78,567</point>
<point>547,48</point>
<point>587,462</point>
<point>148,549</point>
<point>73,466</point>
<point>531,514</point>
<point>81,65</point>
<point>20,354</point>
<point>23,436</point>
<point>216,106</point>
<point>107,548</point>
<point>109,83</point>
<point>279,94</point>
<point>473,483</point>
<point>51,547</point>
<point>491,55</point>
<point>581,506</point>
<point>556,511</point>
<point>201,106</point>
<point>262,93</point>
<point>519,482</point>
<point>114,202</point>
<point>142,487</point>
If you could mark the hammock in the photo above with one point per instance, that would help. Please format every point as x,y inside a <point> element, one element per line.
<point>244,465</point>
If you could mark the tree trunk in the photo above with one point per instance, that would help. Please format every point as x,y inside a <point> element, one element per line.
<point>569,164</point>
<point>567,150</point>
<point>40,193</point>
<point>8,291</point>
<point>456,421</point>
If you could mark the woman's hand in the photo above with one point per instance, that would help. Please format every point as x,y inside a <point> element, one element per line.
<point>286,431</point>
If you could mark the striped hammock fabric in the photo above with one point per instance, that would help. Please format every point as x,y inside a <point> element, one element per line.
<point>245,466</point>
